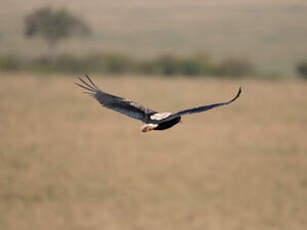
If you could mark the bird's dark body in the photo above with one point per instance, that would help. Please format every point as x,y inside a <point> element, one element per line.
<point>168,124</point>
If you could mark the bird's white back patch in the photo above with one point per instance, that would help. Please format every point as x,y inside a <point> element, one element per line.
<point>160,116</point>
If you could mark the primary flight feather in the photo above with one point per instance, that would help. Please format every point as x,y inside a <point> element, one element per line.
<point>153,120</point>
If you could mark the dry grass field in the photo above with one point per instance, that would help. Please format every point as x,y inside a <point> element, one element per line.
<point>66,163</point>
<point>272,33</point>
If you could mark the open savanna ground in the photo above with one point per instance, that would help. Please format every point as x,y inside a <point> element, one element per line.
<point>66,163</point>
<point>271,33</point>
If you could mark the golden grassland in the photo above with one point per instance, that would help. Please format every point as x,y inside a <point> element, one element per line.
<point>272,33</point>
<point>66,163</point>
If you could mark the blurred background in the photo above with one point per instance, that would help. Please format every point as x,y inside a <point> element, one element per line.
<point>67,163</point>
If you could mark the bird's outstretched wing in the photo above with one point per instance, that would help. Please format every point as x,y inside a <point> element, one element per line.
<point>122,105</point>
<point>202,108</point>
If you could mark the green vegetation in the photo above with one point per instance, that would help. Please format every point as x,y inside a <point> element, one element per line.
<point>302,69</point>
<point>271,33</point>
<point>9,62</point>
<point>234,67</point>
<point>165,65</point>
<point>55,25</point>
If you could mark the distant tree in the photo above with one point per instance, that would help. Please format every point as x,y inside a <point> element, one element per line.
<point>54,25</point>
<point>302,69</point>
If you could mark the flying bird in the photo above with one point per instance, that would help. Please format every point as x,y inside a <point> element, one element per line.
<point>153,120</point>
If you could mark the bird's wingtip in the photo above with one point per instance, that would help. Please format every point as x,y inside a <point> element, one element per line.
<point>240,91</point>
<point>237,95</point>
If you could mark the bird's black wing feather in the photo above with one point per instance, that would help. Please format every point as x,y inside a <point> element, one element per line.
<point>208,107</point>
<point>201,108</point>
<point>121,105</point>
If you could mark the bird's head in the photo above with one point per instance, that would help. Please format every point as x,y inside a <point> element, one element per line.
<point>148,127</point>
